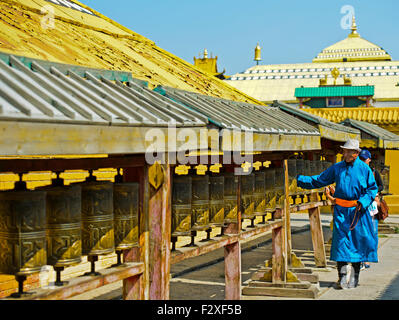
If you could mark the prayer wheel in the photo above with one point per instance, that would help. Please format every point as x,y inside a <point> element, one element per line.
<point>306,171</point>
<point>292,184</point>
<point>247,196</point>
<point>230,197</point>
<point>280,180</point>
<point>22,233</point>
<point>319,167</point>
<point>64,224</point>
<point>300,169</point>
<point>126,215</point>
<point>270,189</point>
<point>200,203</point>
<point>313,168</point>
<point>97,219</point>
<point>181,205</point>
<point>216,200</point>
<point>260,193</point>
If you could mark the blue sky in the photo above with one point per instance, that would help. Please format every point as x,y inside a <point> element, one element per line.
<point>288,31</point>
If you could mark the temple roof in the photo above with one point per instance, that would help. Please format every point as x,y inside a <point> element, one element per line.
<point>81,36</point>
<point>353,48</point>
<point>365,63</point>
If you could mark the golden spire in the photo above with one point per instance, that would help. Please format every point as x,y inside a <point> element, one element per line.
<point>205,54</point>
<point>354,28</point>
<point>257,54</point>
<point>335,74</point>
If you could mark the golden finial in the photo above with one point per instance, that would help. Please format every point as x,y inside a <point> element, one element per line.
<point>205,54</point>
<point>257,54</point>
<point>335,74</point>
<point>354,28</point>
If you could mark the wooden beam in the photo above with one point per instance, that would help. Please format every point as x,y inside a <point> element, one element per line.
<point>317,237</point>
<point>83,284</point>
<point>26,165</point>
<point>219,242</point>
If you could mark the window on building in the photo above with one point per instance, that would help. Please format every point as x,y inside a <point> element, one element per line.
<point>335,102</point>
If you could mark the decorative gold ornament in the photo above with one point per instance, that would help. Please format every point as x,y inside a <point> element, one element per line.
<point>155,175</point>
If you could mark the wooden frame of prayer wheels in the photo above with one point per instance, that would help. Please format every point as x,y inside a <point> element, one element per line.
<point>181,205</point>
<point>200,203</point>
<point>216,200</point>
<point>230,197</point>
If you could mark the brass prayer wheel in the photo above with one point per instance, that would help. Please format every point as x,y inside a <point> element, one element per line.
<point>216,200</point>
<point>97,218</point>
<point>181,205</point>
<point>319,167</point>
<point>126,215</point>
<point>230,197</point>
<point>292,184</point>
<point>64,223</point>
<point>279,187</point>
<point>300,169</point>
<point>22,232</point>
<point>200,203</point>
<point>260,193</point>
<point>313,167</point>
<point>270,189</point>
<point>64,226</point>
<point>247,196</point>
<point>306,171</point>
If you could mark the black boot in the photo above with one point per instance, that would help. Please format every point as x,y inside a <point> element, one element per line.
<point>354,277</point>
<point>342,275</point>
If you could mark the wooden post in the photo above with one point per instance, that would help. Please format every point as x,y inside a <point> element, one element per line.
<point>317,237</point>
<point>232,255</point>
<point>287,214</point>
<point>277,258</point>
<point>132,287</point>
<point>159,223</point>
<point>232,267</point>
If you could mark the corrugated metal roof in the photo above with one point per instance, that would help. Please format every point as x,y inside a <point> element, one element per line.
<point>335,131</point>
<point>96,41</point>
<point>335,91</point>
<point>386,139</point>
<point>46,93</point>
<point>237,115</point>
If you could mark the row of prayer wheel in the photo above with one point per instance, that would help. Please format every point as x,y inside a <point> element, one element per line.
<point>200,202</point>
<point>304,167</point>
<point>57,224</point>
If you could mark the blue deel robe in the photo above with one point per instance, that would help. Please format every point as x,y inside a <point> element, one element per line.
<point>353,182</point>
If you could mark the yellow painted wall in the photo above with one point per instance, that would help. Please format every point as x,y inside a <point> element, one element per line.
<point>392,160</point>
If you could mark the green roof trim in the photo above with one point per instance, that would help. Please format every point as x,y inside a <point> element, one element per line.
<point>335,91</point>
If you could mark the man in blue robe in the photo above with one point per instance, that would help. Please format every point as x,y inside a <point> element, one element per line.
<point>353,238</point>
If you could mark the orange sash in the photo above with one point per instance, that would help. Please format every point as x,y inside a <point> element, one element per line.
<point>346,203</point>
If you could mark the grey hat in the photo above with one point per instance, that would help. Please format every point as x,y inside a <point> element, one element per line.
<point>351,144</point>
